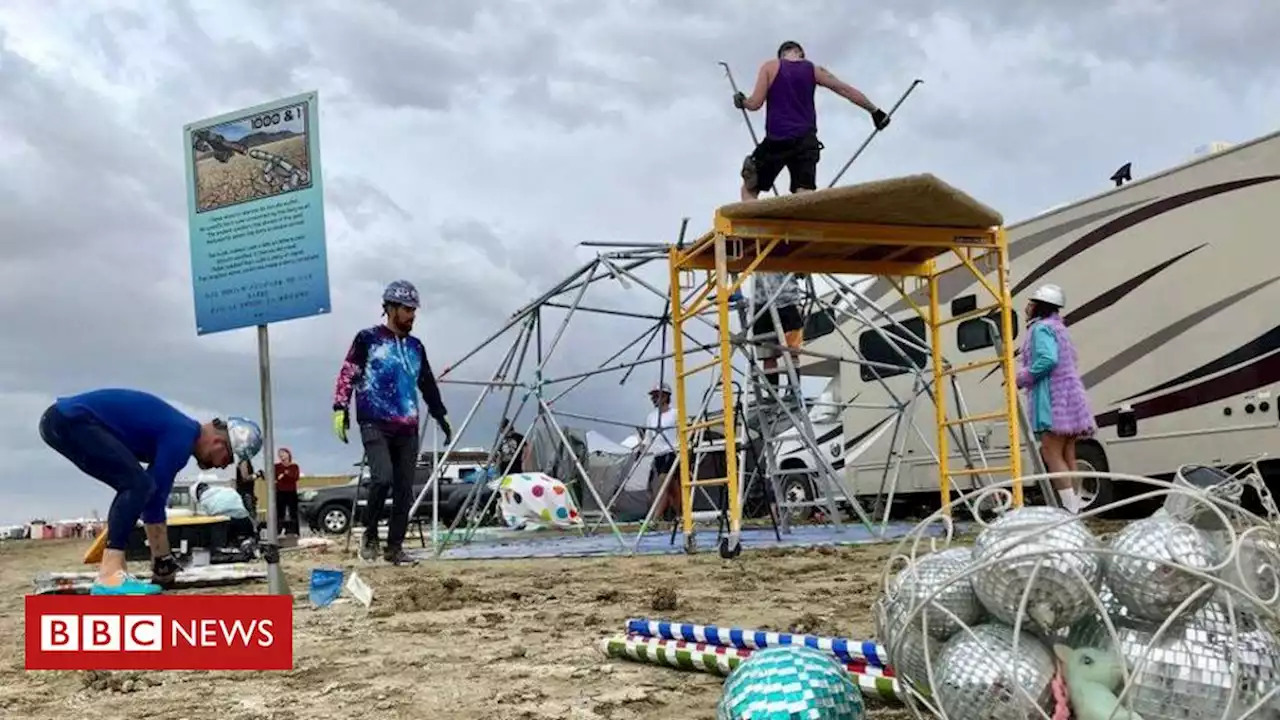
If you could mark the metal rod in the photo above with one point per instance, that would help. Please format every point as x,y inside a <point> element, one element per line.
<point>873,134</point>
<point>607,311</point>
<point>623,366</point>
<point>517,317</point>
<point>606,243</point>
<point>277,584</point>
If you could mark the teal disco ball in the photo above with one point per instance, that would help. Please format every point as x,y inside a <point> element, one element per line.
<point>789,682</point>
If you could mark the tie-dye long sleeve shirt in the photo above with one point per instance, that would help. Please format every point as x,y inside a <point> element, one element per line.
<point>385,372</point>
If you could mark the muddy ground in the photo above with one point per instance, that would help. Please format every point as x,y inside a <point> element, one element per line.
<point>474,639</point>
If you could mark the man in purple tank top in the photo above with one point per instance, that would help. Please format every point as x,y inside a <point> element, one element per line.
<point>787,84</point>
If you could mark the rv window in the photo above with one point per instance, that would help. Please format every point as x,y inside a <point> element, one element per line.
<point>875,348</point>
<point>975,333</point>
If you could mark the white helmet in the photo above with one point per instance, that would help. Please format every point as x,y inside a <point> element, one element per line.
<point>1050,295</point>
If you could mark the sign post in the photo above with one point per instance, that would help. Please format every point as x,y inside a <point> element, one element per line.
<point>255,206</point>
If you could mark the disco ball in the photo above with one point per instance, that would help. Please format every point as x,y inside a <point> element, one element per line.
<point>1047,544</point>
<point>790,681</point>
<point>1148,570</point>
<point>981,675</point>
<point>1212,660</point>
<point>910,649</point>
<point>1253,566</point>
<point>1187,672</point>
<point>936,585</point>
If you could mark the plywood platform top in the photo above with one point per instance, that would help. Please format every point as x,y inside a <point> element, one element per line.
<point>912,200</point>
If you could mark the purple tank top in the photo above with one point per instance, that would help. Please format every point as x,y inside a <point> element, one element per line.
<point>789,108</point>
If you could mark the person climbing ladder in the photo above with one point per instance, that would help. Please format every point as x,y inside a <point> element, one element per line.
<point>788,84</point>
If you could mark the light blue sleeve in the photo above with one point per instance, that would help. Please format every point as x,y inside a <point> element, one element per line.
<point>1044,352</point>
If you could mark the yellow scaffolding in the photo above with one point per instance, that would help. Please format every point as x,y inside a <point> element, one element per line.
<point>898,228</point>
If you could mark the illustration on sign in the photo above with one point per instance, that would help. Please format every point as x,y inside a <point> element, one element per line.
<point>256,215</point>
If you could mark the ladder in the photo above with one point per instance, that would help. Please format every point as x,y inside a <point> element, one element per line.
<point>772,413</point>
<point>718,282</point>
<point>944,372</point>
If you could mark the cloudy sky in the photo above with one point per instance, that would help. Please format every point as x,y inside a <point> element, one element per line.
<point>470,147</point>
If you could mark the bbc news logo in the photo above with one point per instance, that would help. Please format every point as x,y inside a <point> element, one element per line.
<point>159,632</point>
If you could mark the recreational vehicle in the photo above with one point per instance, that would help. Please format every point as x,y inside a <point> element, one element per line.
<point>1173,304</point>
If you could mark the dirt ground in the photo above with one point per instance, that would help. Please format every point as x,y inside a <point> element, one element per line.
<point>475,639</point>
<point>238,179</point>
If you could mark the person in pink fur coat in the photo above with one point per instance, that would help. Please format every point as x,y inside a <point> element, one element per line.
<point>1057,404</point>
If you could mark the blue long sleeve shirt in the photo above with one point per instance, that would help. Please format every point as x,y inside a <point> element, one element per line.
<point>158,434</point>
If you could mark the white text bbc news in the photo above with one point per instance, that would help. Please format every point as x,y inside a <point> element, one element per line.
<point>144,633</point>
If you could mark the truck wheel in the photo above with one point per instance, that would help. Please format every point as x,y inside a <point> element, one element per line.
<point>335,518</point>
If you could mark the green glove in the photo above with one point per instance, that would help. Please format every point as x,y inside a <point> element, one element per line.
<point>446,428</point>
<point>340,424</point>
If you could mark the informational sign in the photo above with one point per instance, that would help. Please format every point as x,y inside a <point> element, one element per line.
<point>255,204</point>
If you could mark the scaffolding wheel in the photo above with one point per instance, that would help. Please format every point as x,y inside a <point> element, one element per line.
<point>690,544</point>
<point>730,548</point>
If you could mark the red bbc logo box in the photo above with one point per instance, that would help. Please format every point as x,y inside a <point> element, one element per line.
<point>159,632</point>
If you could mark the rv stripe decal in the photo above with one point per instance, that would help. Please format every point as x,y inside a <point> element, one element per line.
<point>1112,296</point>
<point>1241,380</point>
<point>1109,298</point>
<point>951,285</point>
<point>1128,220</point>
<point>1155,340</point>
<point>1264,344</point>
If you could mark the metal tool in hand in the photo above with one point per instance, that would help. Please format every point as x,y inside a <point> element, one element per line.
<point>745,117</point>
<point>873,134</point>
<point>755,140</point>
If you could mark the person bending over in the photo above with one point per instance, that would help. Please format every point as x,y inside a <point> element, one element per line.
<point>109,434</point>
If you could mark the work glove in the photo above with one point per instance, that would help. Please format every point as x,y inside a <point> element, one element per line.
<point>446,428</point>
<point>880,118</point>
<point>740,101</point>
<point>340,424</point>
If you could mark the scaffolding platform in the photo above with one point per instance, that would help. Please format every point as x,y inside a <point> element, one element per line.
<point>898,228</point>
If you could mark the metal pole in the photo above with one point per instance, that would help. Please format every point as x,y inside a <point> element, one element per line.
<point>873,134</point>
<point>277,584</point>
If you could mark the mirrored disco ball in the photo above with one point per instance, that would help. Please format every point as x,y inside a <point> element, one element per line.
<point>1139,572</point>
<point>940,572</point>
<point>1188,671</point>
<point>1017,542</point>
<point>1196,506</point>
<point>782,683</point>
<point>1253,566</point>
<point>978,675</point>
<point>909,648</point>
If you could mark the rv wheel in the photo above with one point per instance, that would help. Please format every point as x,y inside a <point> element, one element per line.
<point>1094,491</point>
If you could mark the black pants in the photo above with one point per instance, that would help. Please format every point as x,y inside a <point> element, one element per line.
<point>245,490</point>
<point>393,459</point>
<point>91,446</point>
<point>242,528</point>
<point>287,511</point>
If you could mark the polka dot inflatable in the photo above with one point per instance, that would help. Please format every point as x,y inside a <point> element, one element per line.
<point>535,500</point>
<point>789,683</point>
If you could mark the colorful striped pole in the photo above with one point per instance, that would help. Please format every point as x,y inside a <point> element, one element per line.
<point>848,651</point>
<point>720,660</point>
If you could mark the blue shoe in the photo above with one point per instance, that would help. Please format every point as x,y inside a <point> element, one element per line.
<point>129,585</point>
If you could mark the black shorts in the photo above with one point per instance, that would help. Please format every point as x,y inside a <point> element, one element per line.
<point>798,155</point>
<point>662,463</point>
<point>788,315</point>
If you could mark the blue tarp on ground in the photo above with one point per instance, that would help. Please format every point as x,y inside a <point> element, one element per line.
<point>605,543</point>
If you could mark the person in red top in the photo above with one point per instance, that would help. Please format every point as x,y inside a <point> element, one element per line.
<point>287,474</point>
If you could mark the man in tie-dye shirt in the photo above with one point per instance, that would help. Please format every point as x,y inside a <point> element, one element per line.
<point>385,369</point>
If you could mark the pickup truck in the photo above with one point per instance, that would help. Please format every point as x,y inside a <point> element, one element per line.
<point>328,510</point>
